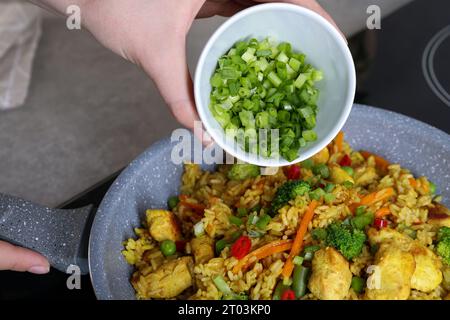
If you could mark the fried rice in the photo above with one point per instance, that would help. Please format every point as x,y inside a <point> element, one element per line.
<point>202,217</point>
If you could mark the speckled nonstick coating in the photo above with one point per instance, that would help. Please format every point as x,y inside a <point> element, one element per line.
<point>152,178</point>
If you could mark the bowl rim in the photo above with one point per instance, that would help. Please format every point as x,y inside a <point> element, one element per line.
<point>350,94</point>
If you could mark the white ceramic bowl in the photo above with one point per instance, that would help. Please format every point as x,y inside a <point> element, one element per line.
<point>309,33</point>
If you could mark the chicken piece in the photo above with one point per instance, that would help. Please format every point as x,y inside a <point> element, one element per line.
<point>365,176</point>
<point>389,235</point>
<point>322,156</point>
<point>394,269</point>
<point>170,279</point>
<point>339,176</point>
<point>202,248</point>
<point>162,225</point>
<point>331,276</point>
<point>427,274</point>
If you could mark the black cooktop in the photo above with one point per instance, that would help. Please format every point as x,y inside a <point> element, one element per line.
<point>403,67</point>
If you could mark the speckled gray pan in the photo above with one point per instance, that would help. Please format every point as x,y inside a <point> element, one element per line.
<point>152,178</point>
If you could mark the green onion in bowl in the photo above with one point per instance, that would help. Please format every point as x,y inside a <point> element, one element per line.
<point>260,85</point>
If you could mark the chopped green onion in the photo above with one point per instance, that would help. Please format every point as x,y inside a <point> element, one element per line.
<point>349,170</point>
<point>241,212</point>
<point>263,221</point>
<point>254,79</point>
<point>307,164</point>
<point>199,229</point>
<point>172,202</point>
<point>221,284</point>
<point>297,260</point>
<point>357,284</point>
<point>235,220</point>
<point>329,187</point>
<point>347,184</point>
<point>360,210</point>
<point>322,170</point>
<point>220,245</point>
<point>432,187</point>
<point>329,197</point>
<point>317,194</point>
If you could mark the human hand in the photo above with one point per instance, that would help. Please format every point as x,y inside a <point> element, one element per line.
<point>152,34</point>
<point>20,259</point>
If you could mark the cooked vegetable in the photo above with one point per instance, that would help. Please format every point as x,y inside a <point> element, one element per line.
<point>345,161</point>
<point>339,141</point>
<point>382,212</point>
<point>362,219</point>
<point>288,294</point>
<point>293,173</point>
<point>298,240</point>
<point>241,247</point>
<point>168,247</point>
<point>300,280</point>
<point>259,85</point>
<point>262,252</point>
<point>358,284</point>
<point>279,290</point>
<point>298,261</point>
<point>319,234</point>
<point>349,170</point>
<point>241,212</point>
<point>220,245</point>
<point>443,246</point>
<point>289,190</point>
<point>172,202</point>
<point>380,223</point>
<point>187,202</point>
<point>241,171</point>
<point>228,294</point>
<point>322,170</point>
<point>345,238</point>
<point>262,222</point>
<point>235,220</point>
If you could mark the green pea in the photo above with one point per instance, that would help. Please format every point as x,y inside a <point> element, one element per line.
<point>168,247</point>
<point>357,284</point>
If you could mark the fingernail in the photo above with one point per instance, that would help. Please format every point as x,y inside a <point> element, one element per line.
<point>39,269</point>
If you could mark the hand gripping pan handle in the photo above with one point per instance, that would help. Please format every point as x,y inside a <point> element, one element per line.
<point>62,236</point>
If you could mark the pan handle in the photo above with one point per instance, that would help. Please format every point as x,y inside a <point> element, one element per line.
<point>62,236</point>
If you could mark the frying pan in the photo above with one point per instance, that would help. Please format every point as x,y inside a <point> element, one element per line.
<point>93,240</point>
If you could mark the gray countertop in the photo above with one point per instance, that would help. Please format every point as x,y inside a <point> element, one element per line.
<point>89,113</point>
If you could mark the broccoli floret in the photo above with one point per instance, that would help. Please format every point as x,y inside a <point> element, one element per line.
<point>443,246</point>
<point>345,238</point>
<point>444,232</point>
<point>241,171</point>
<point>287,191</point>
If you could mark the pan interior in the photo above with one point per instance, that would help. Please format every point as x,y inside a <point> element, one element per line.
<point>152,178</point>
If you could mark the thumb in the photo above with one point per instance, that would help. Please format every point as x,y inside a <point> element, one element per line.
<point>21,259</point>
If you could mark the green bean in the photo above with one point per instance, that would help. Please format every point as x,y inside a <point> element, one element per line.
<point>299,280</point>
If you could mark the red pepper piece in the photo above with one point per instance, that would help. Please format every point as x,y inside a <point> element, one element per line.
<point>241,247</point>
<point>345,161</point>
<point>293,172</point>
<point>380,223</point>
<point>288,295</point>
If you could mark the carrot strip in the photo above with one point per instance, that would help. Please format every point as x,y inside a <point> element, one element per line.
<point>372,198</point>
<point>382,212</point>
<point>298,241</point>
<point>412,182</point>
<point>381,163</point>
<point>184,200</point>
<point>339,140</point>
<point>380,195</point>
<point>262,252</point>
